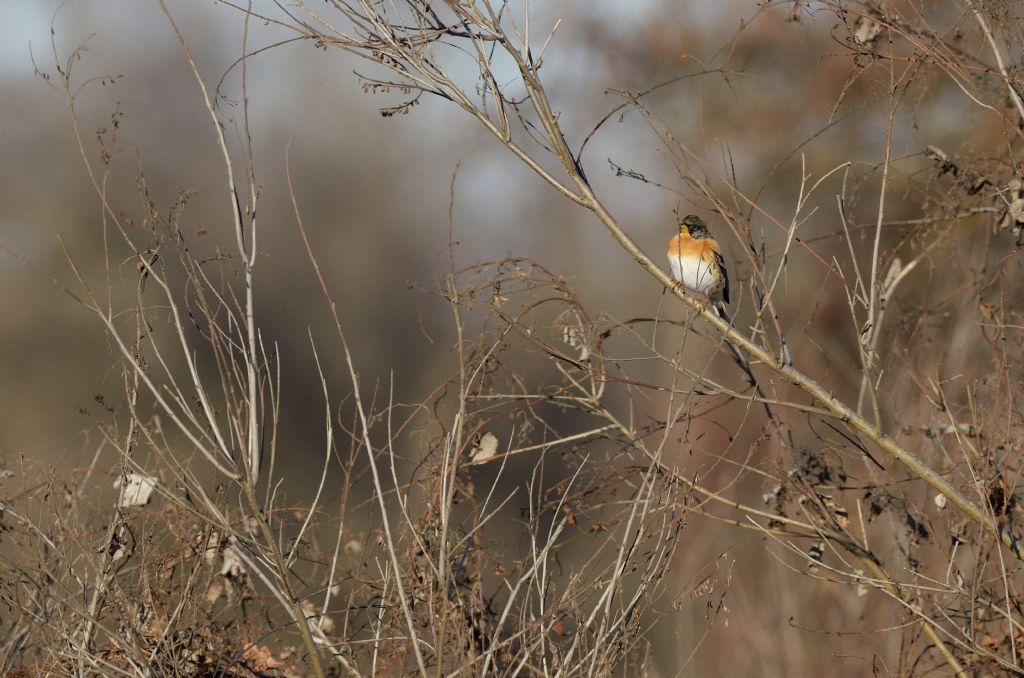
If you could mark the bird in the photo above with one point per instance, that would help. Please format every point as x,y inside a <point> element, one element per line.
<point>697,263</point>
<point>696,260</point>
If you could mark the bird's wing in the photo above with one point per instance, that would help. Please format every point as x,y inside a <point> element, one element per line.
<point>720,261</point>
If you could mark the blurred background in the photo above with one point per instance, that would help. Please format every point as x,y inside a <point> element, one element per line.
<point>374,192</point>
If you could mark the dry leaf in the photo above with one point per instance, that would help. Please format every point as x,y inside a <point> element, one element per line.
<point>260,658</point>
<point>866,31</point>
<point>215,590</point>
<point>137,490</point>
<point>485,448</point>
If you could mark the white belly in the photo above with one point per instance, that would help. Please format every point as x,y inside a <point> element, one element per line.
<point>695,276</point>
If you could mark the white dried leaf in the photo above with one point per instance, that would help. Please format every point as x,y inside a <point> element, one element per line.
<point>231,565</point>
<point>137,490</point>
<point>231,574</point>
<point>867,30</point>
<point>215,591</point>
<point>862,587</point>
<point>485,448</point>
<point>212,549</point>
<point>584,354</point>
<point>572,336</point>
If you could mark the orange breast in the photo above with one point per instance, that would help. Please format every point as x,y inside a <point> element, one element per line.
<point>683,245</point>
<point>695,264</point>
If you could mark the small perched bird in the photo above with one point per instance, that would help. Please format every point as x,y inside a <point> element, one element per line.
<point>697,262</point>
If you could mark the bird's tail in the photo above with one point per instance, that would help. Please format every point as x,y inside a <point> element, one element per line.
<point>738,357</point>
<point>744,365</point>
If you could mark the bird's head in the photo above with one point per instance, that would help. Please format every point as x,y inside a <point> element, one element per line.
<point>694,226</point>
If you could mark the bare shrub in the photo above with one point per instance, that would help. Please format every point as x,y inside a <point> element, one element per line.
<point>528,516</point>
